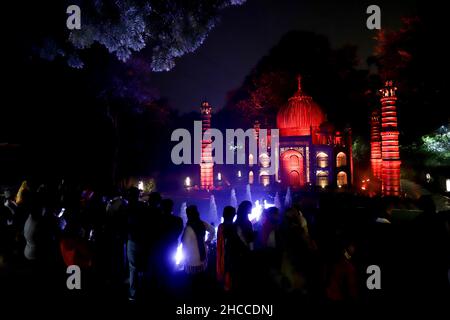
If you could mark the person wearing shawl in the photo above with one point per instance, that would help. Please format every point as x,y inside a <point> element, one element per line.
<point>194,243</point>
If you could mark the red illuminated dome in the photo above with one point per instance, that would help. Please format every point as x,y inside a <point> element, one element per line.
<point>299,115</point>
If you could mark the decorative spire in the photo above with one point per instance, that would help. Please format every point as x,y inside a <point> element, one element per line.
<point>205,107</point>
<point>389,89</point>
<point>299,94</point>
<point>299,83</point>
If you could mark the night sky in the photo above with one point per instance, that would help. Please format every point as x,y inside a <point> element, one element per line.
<point>55,112</point>
<point>246,33</point>
<point>242,37</point>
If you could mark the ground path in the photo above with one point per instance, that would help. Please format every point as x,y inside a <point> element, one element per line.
<point>415,190</point>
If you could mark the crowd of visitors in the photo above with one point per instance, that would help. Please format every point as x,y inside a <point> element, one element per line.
<point>125,240</point>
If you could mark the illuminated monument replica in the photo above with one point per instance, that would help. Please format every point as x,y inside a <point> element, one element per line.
<point>206,164</point>
<point>311,152</point>
<point>385,154</point>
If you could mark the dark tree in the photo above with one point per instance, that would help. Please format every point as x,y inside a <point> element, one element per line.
<point>164,30</point>
<point>415,57</point>
<point>329,76</point>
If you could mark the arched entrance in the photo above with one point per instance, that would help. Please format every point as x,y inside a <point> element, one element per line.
<point>294,178</point>
<point>322,160</point>
<point>292,168</point>
<point>341,160</point>
<point>322,178</point>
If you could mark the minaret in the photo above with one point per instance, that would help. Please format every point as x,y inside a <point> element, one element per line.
<point>350,152</point>
<point>375,144</point>
<point>256,126</point>
<point>390,170</point>
<point>263,144</point>
<point>206,163</point>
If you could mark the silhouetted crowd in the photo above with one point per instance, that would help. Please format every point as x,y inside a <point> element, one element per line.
<point>311,251</point>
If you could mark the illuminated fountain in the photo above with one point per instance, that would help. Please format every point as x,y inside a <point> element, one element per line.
<point>248,194</point>
<point>288,199</point>
<point>183,213</point>
<point>212,214</point>
<point>188,183</point>
<point>276,201</point>
<point>267,205</point>
<point>179,255</point>
<point>254,217</point>
<point>233,200</point>
<point>257,210</point>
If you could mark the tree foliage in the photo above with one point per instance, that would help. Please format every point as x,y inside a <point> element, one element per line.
<point>328,75</point>
<point>436,147</point>
<point>415,57</point>
<point>166,30</point>
<point>361,149</point>
<point>265,95</point>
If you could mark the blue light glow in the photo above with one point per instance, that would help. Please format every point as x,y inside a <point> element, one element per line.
<point>179,256</point>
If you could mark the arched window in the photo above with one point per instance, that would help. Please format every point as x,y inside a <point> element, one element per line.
<point>265,180</point>
<point>341,179</point>
<point>250,177</point>
<point>294,161</point>
<point>322,160</point>
<point>264,159</point>
<point>341,160</point>
<point>322,178</point>
<point>264,177</point>
<point>250,160</point>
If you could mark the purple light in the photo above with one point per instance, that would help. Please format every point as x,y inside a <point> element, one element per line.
<point>179,256</point>
<point>61,212</point>
<point>256,212</point>
<point>268,205</point>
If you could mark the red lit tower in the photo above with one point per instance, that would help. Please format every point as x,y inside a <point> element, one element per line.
<point>257,127</point>
<point>375,144</point>
<point>390,169</point>
<point>206,163</point>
